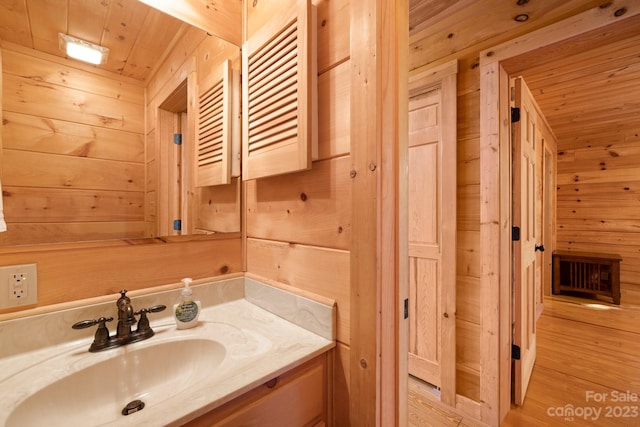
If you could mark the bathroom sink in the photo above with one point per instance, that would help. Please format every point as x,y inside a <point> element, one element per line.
<point>98,393</point>
<point>51,378</point>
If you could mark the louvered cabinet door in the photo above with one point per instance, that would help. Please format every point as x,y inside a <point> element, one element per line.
<point>213,148</point>
<point>278,69</point>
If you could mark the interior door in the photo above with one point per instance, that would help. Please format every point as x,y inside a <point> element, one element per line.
<point>424,249</point>
<point>431,212</point>
<point>526,265</point>
<point>431,235</point>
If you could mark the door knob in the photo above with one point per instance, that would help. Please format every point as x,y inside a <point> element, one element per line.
<point>540,248</point>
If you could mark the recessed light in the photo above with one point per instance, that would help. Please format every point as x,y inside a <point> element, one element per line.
<point>82,50</point>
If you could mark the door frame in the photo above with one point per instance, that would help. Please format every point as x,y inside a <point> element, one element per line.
<point>495,198</point>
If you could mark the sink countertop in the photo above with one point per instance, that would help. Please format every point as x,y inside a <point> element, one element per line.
<point>261,343</point>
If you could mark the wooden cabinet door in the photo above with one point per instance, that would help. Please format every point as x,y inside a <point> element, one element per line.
<point>297,398</point>
<point>213,146</point>
<point>279,124</point>
<point>526,264</point>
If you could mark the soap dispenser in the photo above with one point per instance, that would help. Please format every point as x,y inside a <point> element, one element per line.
<point>187,310</point>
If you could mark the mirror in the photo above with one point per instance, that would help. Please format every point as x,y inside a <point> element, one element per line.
<point>88,152</point>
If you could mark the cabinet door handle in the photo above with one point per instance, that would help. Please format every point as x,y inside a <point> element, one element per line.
<point>540,248</point>
<point>272,382</point>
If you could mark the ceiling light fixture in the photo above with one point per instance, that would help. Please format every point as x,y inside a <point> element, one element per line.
<point>82,50</point>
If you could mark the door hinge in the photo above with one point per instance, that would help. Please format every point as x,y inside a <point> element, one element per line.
<point>406,308</point>
<point>515,115</point>
<point>177,224</point>
<point>515,233</point>
<point>515,352</point>
<point>177,138</point>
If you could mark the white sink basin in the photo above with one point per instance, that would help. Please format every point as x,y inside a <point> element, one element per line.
<point>98,393</point>
<point>178,374</point>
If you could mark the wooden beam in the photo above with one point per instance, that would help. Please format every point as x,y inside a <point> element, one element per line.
<point>401,289</point>
<point>378,72</point>
<point>224,20</point>
<point>365,158</point>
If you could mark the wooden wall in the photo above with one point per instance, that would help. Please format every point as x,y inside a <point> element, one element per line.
<point>72,151</point>
<point>106,127</point>
<point>599,202</point>
<point>299,225</point>
<point>72,272</point>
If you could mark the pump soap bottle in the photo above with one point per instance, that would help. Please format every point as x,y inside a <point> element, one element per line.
<point>186,310</point>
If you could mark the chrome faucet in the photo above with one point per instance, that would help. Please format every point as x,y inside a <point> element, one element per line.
<point>126,319</point>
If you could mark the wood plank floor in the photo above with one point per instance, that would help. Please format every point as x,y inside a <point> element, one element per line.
<point>588,361</point>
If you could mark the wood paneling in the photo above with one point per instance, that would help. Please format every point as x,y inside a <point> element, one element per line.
<point>29,96</point>
<point>35,233</point>
<point>72,162</point>
<point>458,30</point>
<point>333,112</point>
<point>52,171</point>
<point>598,205</point>
<point>307,207</point>
<point>45,135</point>
<point>218,208</point>
<point>81,272</point>
<point>62,205</point>
<point>52,70</point>
<point>333,33</point>
<point>137,35</point>
<point>223,20</point>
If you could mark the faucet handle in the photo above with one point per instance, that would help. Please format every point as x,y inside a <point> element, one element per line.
<point>101,338</point>
<point>88,323</point>
<point>144,329</point>
<point>153,309</point>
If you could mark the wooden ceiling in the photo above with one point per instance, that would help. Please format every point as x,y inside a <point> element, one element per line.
<point>593,88</point>
<point>136,34</point>
<point>588,88</point>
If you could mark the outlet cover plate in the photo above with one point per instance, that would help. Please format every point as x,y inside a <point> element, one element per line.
<point>18,285</point>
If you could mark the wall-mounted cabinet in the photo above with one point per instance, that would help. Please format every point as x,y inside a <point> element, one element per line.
<point>279,85</point>
<point>218,143</point>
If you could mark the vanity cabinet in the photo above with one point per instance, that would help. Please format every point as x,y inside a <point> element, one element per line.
<point>294,399</point>
<point>279,95</point>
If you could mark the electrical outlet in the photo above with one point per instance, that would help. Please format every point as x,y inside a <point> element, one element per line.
<point>18,285</point>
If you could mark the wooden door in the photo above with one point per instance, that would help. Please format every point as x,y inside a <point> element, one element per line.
<point>526,265</point>
<point>431,223</point>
